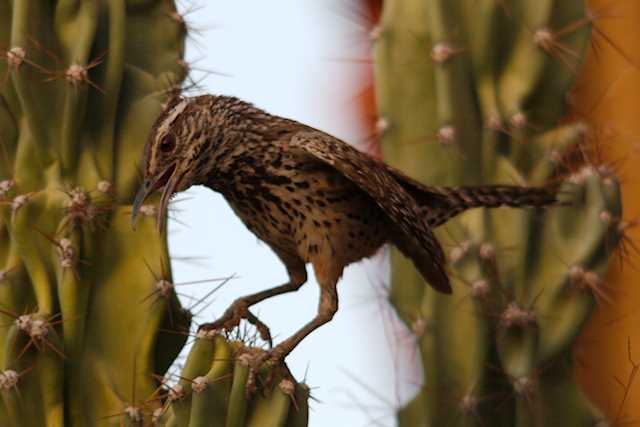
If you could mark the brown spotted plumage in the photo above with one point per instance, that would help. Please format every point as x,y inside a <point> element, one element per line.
<point>311,197</point>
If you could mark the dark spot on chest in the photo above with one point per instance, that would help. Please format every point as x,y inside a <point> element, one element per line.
<point>276,179</point>
<point>277,161</point>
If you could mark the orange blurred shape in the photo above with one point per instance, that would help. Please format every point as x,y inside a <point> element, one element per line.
<point>366,98</point>
<point>608,96</point>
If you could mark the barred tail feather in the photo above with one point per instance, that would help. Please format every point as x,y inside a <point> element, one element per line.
<point>440,204</point>
<point>447,202</point>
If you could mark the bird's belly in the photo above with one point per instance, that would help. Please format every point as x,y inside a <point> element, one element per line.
<point>349,232</point>
<point>266,226</point>
<point>326,216</point>
<point>331,219</point>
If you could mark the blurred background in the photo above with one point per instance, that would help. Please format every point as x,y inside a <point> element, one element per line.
<point>300,60</point>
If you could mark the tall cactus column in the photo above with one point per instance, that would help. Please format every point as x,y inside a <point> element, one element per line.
<point>473,92</point>
<point>89,319</point>
<point>82,82</point>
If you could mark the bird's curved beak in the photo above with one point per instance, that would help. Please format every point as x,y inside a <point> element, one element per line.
<point>170,179</point>
<point>141,196</point>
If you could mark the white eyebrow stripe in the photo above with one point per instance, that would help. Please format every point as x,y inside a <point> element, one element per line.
<point>173,115</point>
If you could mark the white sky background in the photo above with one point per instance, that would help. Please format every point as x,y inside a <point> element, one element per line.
<point>278,54</point>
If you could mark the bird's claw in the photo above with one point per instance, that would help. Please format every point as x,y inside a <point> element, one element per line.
<point>273,358</point>
<point>233,315</point>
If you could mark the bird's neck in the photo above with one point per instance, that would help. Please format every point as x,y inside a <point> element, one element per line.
<point>238,137</point>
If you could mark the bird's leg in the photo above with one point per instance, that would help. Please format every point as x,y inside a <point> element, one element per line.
<point>327,308</point>
<point>240,308</point>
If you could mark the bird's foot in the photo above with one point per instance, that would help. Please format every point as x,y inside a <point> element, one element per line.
<point>273,359</point>
<point>233,315</point>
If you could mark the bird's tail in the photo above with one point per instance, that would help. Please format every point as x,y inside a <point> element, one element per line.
<point>440,204</point>
<point>444,203</point>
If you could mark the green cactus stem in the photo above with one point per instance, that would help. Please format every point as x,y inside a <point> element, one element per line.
<point>89,318</point>
<point>474,92</point>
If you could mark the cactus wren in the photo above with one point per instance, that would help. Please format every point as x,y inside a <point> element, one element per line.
<point>311,197</point>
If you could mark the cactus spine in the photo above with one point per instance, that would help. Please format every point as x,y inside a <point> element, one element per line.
<point>474,92</point>
<point>89,316</point>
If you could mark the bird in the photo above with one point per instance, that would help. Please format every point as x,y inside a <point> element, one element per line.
<point>311,197</point>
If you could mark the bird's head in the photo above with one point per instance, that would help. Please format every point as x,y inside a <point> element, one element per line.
<point>175,144</point>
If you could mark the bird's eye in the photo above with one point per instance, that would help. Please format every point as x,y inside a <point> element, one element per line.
<point>168,143</point>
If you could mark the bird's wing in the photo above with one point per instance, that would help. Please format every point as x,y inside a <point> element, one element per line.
<point>417,240</point>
